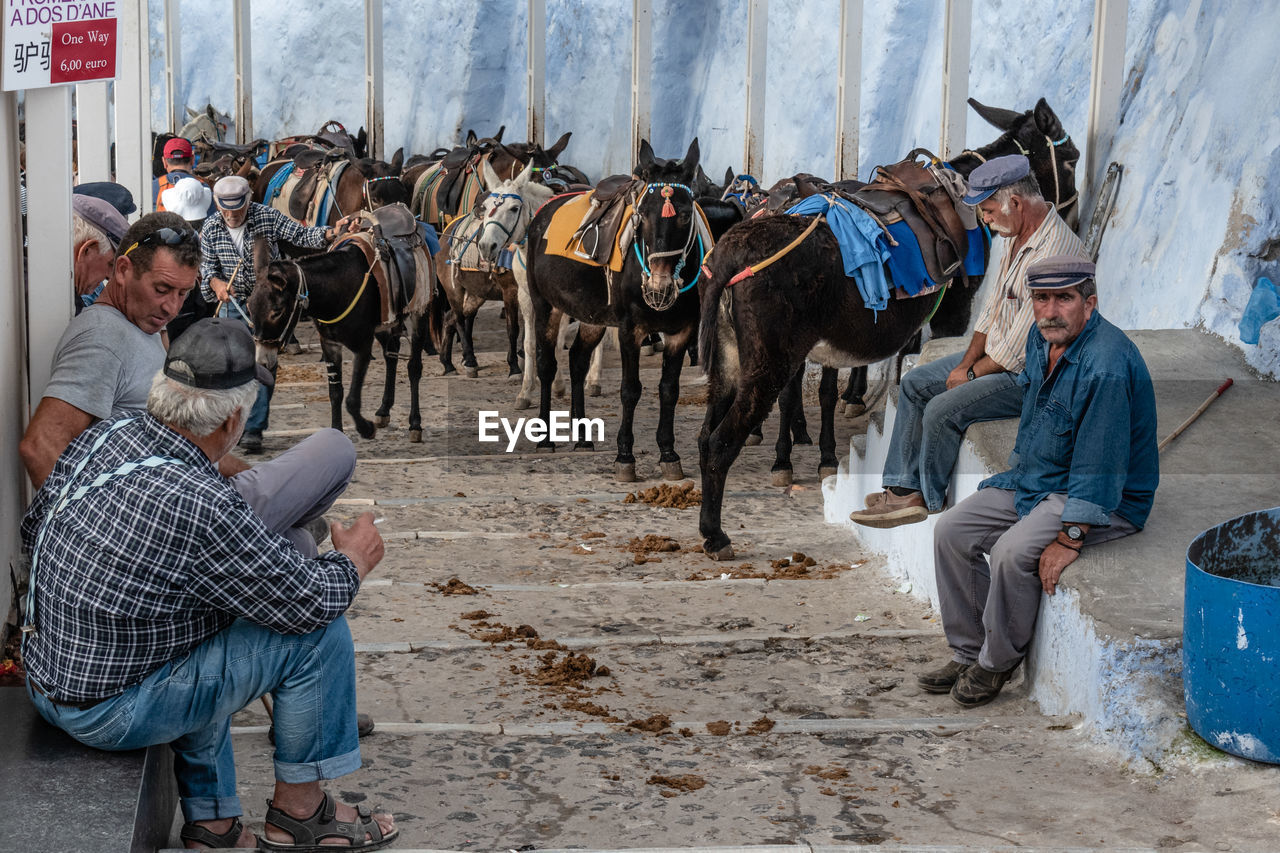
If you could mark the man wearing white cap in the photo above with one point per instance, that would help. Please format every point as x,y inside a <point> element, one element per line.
<point>939,400</point>
<point>1084,471</point>
<point>227,274</point>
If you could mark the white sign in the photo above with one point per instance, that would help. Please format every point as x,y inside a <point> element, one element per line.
<point>51,42</point>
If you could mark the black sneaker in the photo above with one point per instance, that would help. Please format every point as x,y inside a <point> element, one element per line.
<point>251,442</point>
<point>978,686</point>
<point>943,679</point>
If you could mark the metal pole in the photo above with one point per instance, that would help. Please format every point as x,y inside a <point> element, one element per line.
<point>849,90</point>
<point>537,78</point>
<point>1106,82</point>
<point>641,78</point>
<point>14,487</point>
<point>955,76</point>
<point>244,70</point>
<point>373,104</point>
<point>132,92</point>
<point>174,114</point>
<point>757,39</point>
<point>93,132</point>
<point>48,226</point>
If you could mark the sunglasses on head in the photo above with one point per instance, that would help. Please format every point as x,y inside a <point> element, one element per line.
<point>167,236</point>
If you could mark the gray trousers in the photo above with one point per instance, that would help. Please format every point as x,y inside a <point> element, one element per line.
<point>989,610</point>
<point>299,485</point>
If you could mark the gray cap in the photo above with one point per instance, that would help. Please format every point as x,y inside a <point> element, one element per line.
<point>1058,271</point>
<point>101,215</point>
<point>215,353</point>
<point>231,192</point>
<point>995,173</point>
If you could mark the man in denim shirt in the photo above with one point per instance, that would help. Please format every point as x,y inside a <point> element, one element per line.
<point>1084,470</point>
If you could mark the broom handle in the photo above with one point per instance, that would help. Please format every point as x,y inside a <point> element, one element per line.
<point>1197,413</point>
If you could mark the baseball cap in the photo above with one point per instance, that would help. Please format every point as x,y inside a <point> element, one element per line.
<point>231,192</point>
<point>215,353</point>
<point>177,149</point>
<point>995,173</point>
<point>101,215</point>
<point>1058,271</point>
<point>117,196</point>
<point>189,198</point>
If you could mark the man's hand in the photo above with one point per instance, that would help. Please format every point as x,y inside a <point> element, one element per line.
<point>220,288</point>
<point>1053,560</point>
<point>361,542</point>
<point>229,466</point>
<point>959,376</point>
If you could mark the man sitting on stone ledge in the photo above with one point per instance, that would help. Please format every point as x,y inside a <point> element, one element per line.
<point>1084,470</point>
<point>939,400</point>
<point>160,604</point>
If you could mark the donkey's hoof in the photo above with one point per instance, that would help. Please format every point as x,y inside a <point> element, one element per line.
<point>449,371</point>
<point>557,388</point>
<point>854,410</point>
<point>624,472</point>
<point>827,471</point>
<point>752,440</point>
<point>672,471</point>
<point>367,430</point>
<point>725,553</point>
<point>524,403</point>
<point>515,376</point>
<point>783,477</point>
<point>471,372</point>
<point>381,420</point>
<point>415,436</point>
<point>593,390</point>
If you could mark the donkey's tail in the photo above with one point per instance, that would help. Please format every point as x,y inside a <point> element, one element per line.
<point>715,299</point>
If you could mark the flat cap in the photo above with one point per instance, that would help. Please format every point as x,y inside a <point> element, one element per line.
<point>101,215</point>
<point>231,192</point>
<point>215,353</point>
<point>1058,271</point>
<point>114,194</point>
<point>995,173</point>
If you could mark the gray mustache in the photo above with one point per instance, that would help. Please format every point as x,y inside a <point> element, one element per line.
<point>1051,324</point>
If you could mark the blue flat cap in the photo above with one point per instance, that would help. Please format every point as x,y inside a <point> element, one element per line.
<point>995,173</point>
<point>1058,271</point>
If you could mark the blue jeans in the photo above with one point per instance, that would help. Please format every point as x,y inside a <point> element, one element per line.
<point>189,701</point>
<point>931,421</point>
<point>261,411</point>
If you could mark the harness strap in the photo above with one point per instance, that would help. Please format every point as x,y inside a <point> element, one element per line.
<point>363,283</point>
<point>778,255</point>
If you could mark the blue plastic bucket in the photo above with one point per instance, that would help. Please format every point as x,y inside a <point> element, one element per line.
<point>1231,636</point>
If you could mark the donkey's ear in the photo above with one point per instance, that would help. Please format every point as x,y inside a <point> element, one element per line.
<point>397,160</point>
<point>1047,120</point>
<point>191,113</point>
<point>555,150</point>
<point>209,112</point>
<point>261,258</point>
<point>690,161</point>
<point>644,159</point>
<point>729,176</point>
<point>497,137</point>
<point>488,176</point>
<point>1000,118</point>
<point>472,139</point>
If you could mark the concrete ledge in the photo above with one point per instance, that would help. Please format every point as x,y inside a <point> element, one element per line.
<point>1108,645</point>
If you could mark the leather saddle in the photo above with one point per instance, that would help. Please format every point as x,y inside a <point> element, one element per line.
<point>597,234</point>
<point>909,191</point>
<point>396,234</point>
<point>309,167</point>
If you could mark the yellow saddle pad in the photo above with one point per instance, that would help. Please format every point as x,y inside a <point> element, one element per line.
<point>565,221</point>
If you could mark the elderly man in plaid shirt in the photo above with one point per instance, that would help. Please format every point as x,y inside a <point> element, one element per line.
<point>160,604</point>
<point>939,400</point>
<point>227,274</point>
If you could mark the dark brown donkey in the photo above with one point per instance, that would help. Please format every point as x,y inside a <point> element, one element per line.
<point>756,335</point>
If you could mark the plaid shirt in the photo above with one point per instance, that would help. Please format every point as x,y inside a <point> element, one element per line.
<point>150,564</point>
<point>223,260</point>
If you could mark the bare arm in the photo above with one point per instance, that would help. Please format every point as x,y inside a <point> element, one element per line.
<point>229,466</point>
<point>55,424</point>
<point>361,542</point>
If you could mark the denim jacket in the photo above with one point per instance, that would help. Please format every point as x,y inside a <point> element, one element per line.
<point>1088,431</point>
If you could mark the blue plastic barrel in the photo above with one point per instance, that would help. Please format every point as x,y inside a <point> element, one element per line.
<point>1231,636</point>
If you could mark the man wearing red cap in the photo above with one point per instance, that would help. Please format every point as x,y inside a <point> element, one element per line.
<point>177,165</point>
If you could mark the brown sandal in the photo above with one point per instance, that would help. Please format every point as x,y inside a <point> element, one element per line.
<point>308,834</point>
<point>202,835</point>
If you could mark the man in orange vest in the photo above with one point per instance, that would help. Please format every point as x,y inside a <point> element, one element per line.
<point>177,165</point>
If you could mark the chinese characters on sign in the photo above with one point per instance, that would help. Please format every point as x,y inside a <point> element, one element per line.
<point>48,42</point>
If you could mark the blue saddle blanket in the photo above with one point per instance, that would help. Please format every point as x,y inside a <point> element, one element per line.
<point>862,247</point>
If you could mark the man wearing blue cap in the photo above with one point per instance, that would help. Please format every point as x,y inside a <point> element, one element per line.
<point>939,400</point>
<point>227,274</point>
<point>1084,471</point>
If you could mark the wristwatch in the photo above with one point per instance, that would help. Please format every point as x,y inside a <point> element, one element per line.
<point>971,374</point>
<point>1074,533</point>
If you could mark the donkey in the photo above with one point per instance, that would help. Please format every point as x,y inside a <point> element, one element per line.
<point>365,184</point>
<point>755,337</point>
<point>647,295</point>
<point>337,290</point>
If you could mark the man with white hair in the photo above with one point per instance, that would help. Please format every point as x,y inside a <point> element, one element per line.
<point>227,274</point>
<point>160,604</point>
<point>939,400</point>
<point>96,231</point>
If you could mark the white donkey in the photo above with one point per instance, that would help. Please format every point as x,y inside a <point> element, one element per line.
<point>505,215</point>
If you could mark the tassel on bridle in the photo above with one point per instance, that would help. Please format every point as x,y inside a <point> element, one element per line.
<point>668,209</point>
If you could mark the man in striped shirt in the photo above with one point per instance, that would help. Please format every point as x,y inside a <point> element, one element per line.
<point>939,400</point>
